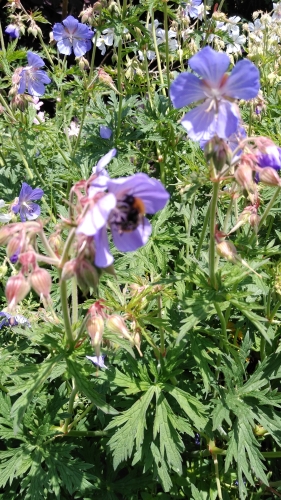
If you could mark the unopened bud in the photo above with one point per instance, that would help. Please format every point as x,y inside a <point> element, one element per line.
<point>82,63</point>
<point>14,246</point>
<point>87,275</point>
<point>218,150</point>
<point>69,270</point>
<point>41,282</point>
<point>56,243</point>
<point>227,250</point>
<point>116,324</point>
<point>137,342</point>
<point>16,289</point>
<point>254,220</point>
<point>95,328</point>
<point>5,234</point>
<point>244,176</point>
<point>269,176</point>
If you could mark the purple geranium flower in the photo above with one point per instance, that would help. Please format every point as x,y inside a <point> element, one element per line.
<point>33,78</point>
<point>12,30</point>
<point>218,114</point>
<point>191,8</point>
<point>99,169</point>
<point>70,34</point>
<point>25,206</point>
<point>270,158</point>
<point>122,208</point>
<point>9,320</point>
<point>105,132</point>
<point>97,360</point>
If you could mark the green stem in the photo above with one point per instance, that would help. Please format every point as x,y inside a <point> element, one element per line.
<point>274,310</point>
<point>63,291</point>
<point>161,329</point>
<point>189,225</point>
<point>157,53</point>
<point>85,412</point>
<point>3,48</point>
<point>166,42</point>
<point>70,405</point>
<point>74,301</point>
<point>215,459</point>
<point>222,321</point>
<point>266,212</point>
<point>212,249</point>
<point>47,246</point>
<point>203,232</point>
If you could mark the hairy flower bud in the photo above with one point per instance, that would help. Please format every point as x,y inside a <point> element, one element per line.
<point>269,176</point>
<point>41,282</point>
<point>244,176</point>
<point>227,250</point>
<point>16,289</point>
<point>14,245</point>
<point>217,150</point>
<point>116,324</point>
<point>68,270</point>
<point>3,270</point>
<point>95,328</point>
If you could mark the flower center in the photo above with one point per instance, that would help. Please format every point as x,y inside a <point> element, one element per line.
<point>128,214</point>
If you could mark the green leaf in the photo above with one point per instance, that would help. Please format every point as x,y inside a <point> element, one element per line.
<point>30,387</point>
<point>85,386</point>
<point>161,468</point>
<point>133,422</point>
<point>193,408</point>
<point>170,441</point>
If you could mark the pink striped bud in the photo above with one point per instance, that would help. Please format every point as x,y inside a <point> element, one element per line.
<point>5,234</point>
<point>244,176</point>
<point>269,176</point>
<point>95,328</point>
<point>41,282</point>
<point>15,245</point>
<point>116,324</point>
<point>16,289</point>
<point>227,250</point>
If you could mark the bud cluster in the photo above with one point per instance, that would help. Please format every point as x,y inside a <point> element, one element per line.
<point>19,239</point>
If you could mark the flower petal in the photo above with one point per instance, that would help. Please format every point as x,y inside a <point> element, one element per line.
<point>36,194</point>
<point>185,89</point>
<point>80,47</point>
<point>65,46</point>
<point>22,83</point>
<point>35,88</point>
<point>243,83</point>
<point>128,242</point>
<point>97,216</point>
<point>71,24</point>
<point>34,60</point>
<point>103,257</point>
<point>58,31</point>
<point>211,65</point>
<point>105,160</point>
<point>25,192</point>
<point>202,122</point>
<point>150,191</point>
<point>105,132</point>
<point>31,213</point>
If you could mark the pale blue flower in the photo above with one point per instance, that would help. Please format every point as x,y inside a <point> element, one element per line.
<point>70,34</point>
<point>218,113</point>
<point>25,206</point>
<point>32,78</point>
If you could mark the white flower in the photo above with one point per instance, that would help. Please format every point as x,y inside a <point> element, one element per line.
<point>276,11</point>
<point>161,38</point>
<point>73,130</point>
<point>36,103</point>
<point>237,42</point>
<point>4,217</point>
<point>101,45</point>
<point>255,30</point>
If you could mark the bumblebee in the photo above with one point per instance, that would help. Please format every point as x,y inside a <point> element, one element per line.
<point>129,213</point>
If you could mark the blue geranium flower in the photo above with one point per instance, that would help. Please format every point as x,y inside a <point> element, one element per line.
<point>9,320</point>
<point>12,30</point>
<point>32,78</point>
<point>25,206</point>
<point>218,114</point>
<point>70,34</point>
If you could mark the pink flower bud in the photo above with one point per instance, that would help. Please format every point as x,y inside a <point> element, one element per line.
<point>227,250</point>
<point>69,270</point>
<point>5,234</point>
<point>244,176</point>
<point>16,289</point>
<point>269,176</point>
<point>116,324</point>
<point>41,282</point>
<point>15,245</point>
<point>28,261</point>
<point>95,328</point>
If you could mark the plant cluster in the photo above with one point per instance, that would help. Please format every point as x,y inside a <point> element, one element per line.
<point>139,260</point>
